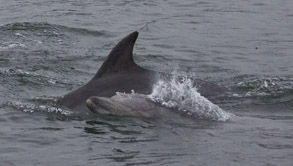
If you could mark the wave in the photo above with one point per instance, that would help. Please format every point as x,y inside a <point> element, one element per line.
<point>265,86</point>
<point>265,89</point>
<point>31,36</point>
<point>48,28</point>
<point>41,104</point>
<point>30,108</point>
<point>32,78</point>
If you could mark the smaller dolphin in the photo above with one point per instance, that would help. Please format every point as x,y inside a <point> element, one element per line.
<point>133,105</point>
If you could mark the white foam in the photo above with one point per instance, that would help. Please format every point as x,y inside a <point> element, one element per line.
<point>30,108</point>
<point>182,95</point>
<point>12,45</point>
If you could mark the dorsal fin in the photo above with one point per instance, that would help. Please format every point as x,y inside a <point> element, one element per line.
<point>120,58</point>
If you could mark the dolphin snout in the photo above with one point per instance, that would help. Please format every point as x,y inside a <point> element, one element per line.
<point>89,101</point>
<point>94,103</point>
<point>91,105</point>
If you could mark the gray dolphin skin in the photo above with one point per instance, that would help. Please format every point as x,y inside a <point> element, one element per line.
<point>119,73</point>
<point>132,105</point>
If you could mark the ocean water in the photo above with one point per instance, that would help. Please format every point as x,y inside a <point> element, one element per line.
<point>49,48</point>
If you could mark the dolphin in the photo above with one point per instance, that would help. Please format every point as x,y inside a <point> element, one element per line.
<point>122,104</point>
<point>119,73</point>
<point>144,106</point>
<point>132,105</point>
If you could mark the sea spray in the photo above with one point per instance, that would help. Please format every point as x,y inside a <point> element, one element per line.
<point>179,93</point>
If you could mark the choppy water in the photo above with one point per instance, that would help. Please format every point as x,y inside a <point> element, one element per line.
<point>48,48</point>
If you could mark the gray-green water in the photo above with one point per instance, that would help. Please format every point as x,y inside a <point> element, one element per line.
<point>48,48</point>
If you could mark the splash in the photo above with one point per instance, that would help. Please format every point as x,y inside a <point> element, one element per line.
<point>179,93</point>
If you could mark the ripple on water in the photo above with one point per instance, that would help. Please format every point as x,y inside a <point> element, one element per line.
<point>273,87</point>
<point>47,29</point>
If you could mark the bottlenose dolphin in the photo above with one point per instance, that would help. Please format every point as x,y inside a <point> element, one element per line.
<point>119,73</point>
<point>145,106</point>
<point>122,104</point>
<point>132,105</point>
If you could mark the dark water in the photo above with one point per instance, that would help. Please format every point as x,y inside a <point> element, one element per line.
<point>48,48</point>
